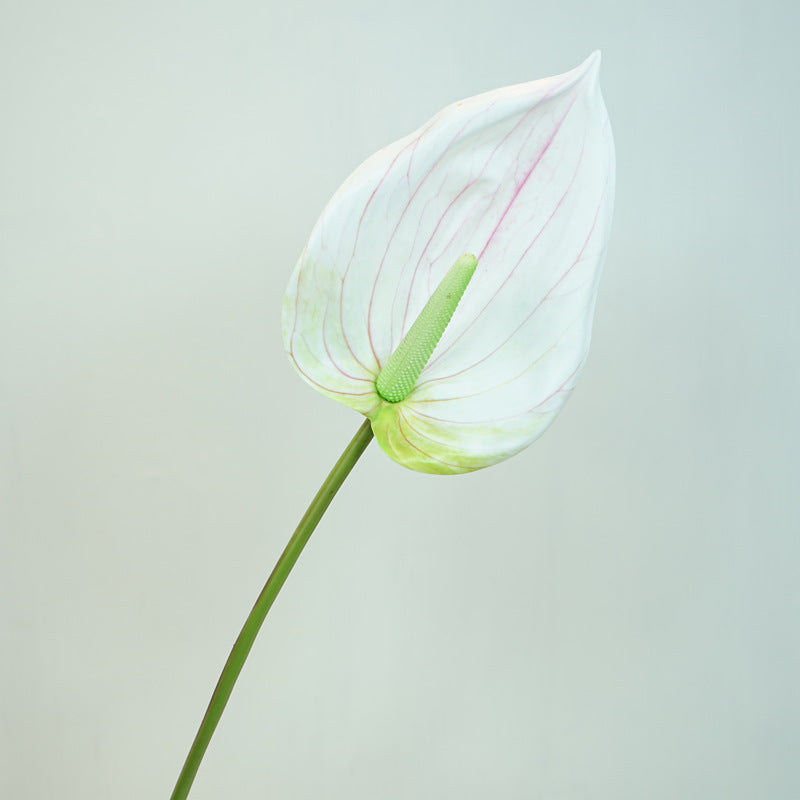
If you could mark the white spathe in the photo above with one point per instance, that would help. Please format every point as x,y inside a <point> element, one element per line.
<point>522,177</point>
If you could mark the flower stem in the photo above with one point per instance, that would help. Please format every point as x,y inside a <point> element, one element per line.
<point>241,648</point>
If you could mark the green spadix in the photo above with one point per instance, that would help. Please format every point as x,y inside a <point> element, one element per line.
<point>399,376</point>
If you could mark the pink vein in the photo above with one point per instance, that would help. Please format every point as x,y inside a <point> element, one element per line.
<point>352,256</point>
<point>401,217</point>
<point>546,296</point>
<point>509,380</point>
<point>322,386</point>
<point>401,419</point>
<point>457,197</point>
<point>330,355</point>
<point>505,282</point>
<point>532,410</point>
<point>496,228</point>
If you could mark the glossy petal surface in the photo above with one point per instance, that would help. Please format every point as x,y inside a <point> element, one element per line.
<point>523,177</point>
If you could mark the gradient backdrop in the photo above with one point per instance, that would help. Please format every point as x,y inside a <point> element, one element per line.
<point>612,614</point>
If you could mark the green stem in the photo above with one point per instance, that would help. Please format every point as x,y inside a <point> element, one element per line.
<point>241,648</point>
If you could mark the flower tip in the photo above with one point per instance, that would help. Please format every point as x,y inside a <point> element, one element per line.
<point>590,68</point>
<point>583,78</point>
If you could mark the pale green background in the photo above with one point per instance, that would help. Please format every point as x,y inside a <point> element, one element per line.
<point>612,614</point>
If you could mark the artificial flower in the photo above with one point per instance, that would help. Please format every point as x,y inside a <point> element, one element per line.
<point>518,183</point>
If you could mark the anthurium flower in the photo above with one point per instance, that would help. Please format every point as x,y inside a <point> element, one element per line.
<point>447,293</point>
<point>448,289</point>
